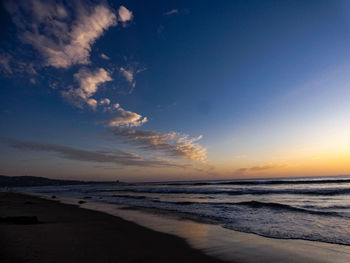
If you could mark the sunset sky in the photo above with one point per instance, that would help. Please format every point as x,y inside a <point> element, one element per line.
<point>174,90</point>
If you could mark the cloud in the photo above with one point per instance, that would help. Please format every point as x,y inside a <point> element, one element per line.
<point>5,63</point>
<point>171,12</point>
<point>118,157</point>
<point>89,82</point>
<point>63,40</point>
<point>160,29</point>
<point>183,11</point>
<point>129,73</point>
<point>126,118</point>
<point>129,76</point>
<point>104,56</point>
<point>10,64</point>
<point>172,143</point>
<point>105,101</point>
<point>124,15</point>
<point>258,168</point>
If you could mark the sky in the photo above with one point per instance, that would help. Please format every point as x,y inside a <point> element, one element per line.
<point>174,90</point>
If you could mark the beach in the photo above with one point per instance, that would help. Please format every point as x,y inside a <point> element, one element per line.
<point>174,131</point>
<point>83,230</point>
<point>67,233</point>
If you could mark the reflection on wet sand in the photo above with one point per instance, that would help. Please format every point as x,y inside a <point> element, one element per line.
<point>228,244</point>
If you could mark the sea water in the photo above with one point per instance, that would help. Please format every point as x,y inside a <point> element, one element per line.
<point>316,209</point>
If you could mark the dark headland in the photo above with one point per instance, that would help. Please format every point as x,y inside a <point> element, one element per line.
<point>26,180</point>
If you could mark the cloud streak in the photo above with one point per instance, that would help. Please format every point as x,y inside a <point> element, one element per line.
<point>61,39</point>
<point>126,118</point>
<point>258,168</point>
<point>171,12</point>
<point>129,73</point>
<point>5,60</point>
<point>118,157</point>
<point>172,143</point>
<point>105,57</point>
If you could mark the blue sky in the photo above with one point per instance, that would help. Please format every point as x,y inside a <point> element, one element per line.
<point>173,90</point>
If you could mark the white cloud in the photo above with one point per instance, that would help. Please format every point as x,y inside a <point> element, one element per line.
<point>124,15</point>
<point>172,12</point>
<point>50,29</point>
<point>89,82</point>
<point>105,101</point>
<point>172,143</point>
<point>104,56</point>
<point>92,103</point>
<point>126,118</point>
<point>128,74</point>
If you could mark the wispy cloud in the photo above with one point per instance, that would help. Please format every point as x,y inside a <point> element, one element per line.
<point>171,12</point>
<point>104,56</point>
<point>129,73</point>
<point>89,82</point>
<point>64,36</point>
<point>258,168</point>
<point>62,39</point>
<point>118,157</point>
<point>12,66</point>
<point>177,11</point>
<point>172,143</point>
<point>126,118</point>
<point>105,101</point>
<point>5,60</point>
<point>124,15</point>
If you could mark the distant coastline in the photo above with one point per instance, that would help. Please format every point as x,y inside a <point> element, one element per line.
<point>27,180</point>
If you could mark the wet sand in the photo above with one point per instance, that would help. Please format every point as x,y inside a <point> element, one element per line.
<point>67,233</point>
<point>226,244</point>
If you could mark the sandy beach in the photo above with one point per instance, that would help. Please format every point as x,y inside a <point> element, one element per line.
<point>174,131</point>
<point>67,233</point>
<point>102,232</point>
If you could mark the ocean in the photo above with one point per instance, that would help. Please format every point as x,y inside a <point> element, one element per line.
<point>316,209</point>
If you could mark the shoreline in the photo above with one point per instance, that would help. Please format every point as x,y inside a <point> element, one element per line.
<point>68,233</point>
<point>230,245</point>
<point>213,242</point>
<point>199,219</point>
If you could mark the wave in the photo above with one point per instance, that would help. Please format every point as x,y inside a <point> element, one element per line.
<point>262,182</point>
<point>323,192</point>
<point>184,203</point>
<point>209,191</point>
<point>327,192</point>
<point>279,206</point>
<point>130,196</point>
<point>340,207</point>
<point>258,204</point>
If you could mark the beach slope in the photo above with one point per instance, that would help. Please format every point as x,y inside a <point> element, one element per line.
<point>67,233</point>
